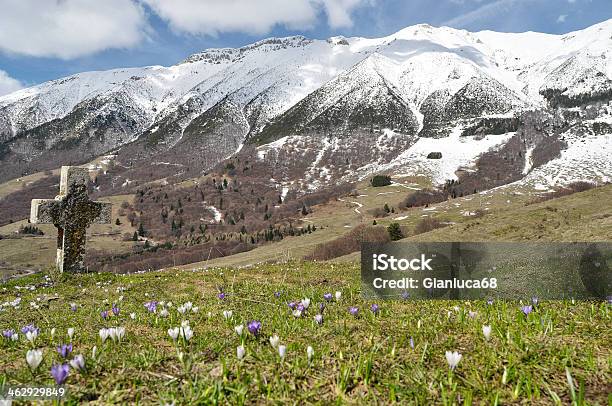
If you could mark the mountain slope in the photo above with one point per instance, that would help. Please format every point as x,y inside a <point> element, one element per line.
<point>343,103</point>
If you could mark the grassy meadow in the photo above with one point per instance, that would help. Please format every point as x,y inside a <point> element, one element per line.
<point>559,353</point>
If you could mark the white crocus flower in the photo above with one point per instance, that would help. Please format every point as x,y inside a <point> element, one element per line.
<point>338,296</point>
<point>104,333</point>
<point>486,330</point>
<point>310,352</point>
<point>120,333</point>
<point>71,333</point>
<point>195,309</point>
<point>34,358</point>
<point>133,316</point>
<point>188,305</point>
<point>31,336</point>
<point>112,333</point>
<point>240,351</point>
<point>187,333</point>
<point>78,362</point>
<point>238,329</point>
<point>174,332</point>
<point>274,340</point>
<point>297,313</point>
<point>181,309</point>
<point>94,351</point>
<point>52,332</point>
<point>306,303</point>
<point>282,351</point>
<point>164,313</point>
<point>227,314</point>
<point>15,337</point>
<point>185,323</point>
<point>453,359</point>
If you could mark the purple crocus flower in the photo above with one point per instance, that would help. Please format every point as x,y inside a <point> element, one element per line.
<point>526,309</point>
<point>291,305</point>
<point>354,310</point>
<point>321,307</point>
<point>327,296</point>
<point>104,314</point>
<point>490,302</point>
<point>8,333</point>
<point>411,343</point>
<point>221,295</point>
<point>535,300</point>
<point>59,372</point>
<point>73,307</point>
<point>375,308</point>
<point>151,306</point>
<point>277,294</point>
<point>610,300</point>
<point>405,295</point>
<point>254,326</point>
<point>319,318</point>
<point>64,350</point>
<point>115,310</point>
<point>300,307</point>
<point>29,328</point>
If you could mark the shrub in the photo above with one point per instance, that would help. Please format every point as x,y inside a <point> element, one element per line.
<point>423,198</point>
<point>380,180</point>
<point>30,230</point>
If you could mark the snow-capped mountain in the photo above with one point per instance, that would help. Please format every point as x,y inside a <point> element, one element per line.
<point>319,109</point>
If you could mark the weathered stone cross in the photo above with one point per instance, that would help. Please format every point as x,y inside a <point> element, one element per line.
<point>71,212</point>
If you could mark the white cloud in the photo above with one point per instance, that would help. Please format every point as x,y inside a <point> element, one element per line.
<point>210,17</point>
<point>69,28</point>
<point>562,18</point>
<point>8,84</point>
<point>483,12</point>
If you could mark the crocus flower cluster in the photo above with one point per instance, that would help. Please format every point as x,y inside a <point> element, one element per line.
<point>64,350</point>
<point>184,331</point>
<point>10,335</point>
<point>151,306</point>
<point>114,333</point>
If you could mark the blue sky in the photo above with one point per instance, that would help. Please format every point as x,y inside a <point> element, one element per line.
<point>42,40</point>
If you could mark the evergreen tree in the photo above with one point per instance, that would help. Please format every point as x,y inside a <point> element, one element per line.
<point>395,231</point>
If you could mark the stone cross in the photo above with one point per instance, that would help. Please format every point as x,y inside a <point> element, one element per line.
<point>71,212</point>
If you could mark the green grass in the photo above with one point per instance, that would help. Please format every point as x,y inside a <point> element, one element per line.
<point>365,360</point>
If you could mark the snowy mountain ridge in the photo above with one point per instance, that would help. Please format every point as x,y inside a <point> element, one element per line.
<point>421,81</point>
